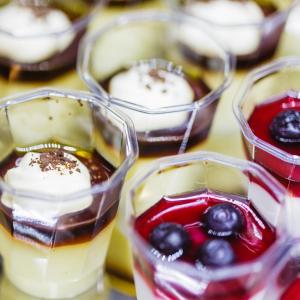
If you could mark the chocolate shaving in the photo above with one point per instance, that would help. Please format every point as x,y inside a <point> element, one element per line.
<point>155,75</point>
<point>55,160</point>
<point>39,8</point>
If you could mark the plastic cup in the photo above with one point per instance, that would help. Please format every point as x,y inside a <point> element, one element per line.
<point>54,244</point>
<point>158,278</point>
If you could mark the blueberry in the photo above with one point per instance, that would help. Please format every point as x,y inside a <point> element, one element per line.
<point>169,238</point>
<point>285,127</point>
<point>223,220</point>
<point>216,253</point>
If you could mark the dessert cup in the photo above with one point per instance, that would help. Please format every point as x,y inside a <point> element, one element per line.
<point>163,189</point>
<point>63,159</point>
<point>251,29</point>
<point>41,46</point>
<point>148,42</point>
<point>266,93</point>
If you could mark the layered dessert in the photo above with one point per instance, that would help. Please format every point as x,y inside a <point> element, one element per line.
<point>39,39</point>
<point>250,29</point>
<point>159,84</point>
<point>54,247</point>
<point>205,231</point>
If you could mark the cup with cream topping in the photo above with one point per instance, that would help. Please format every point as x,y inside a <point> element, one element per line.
<point>39,41</point>
<point>137,65</point>
<point>60,181</point>
<point>250,28</point>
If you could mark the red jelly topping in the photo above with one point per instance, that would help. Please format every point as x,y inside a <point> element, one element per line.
<point>259,122</point>
<point>187,210</point>
<point>263,115</point>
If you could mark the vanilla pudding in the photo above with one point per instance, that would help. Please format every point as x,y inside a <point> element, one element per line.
<point>60,182</point>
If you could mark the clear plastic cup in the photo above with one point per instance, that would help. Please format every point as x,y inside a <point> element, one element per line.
<point>54,240</point>
<point>251,33</point>
<point>266,87</point>
<point>174,178</point>
<point>152,39</point>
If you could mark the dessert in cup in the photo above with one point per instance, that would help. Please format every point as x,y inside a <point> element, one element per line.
<point>268,111</point>
<point>61,172</point>
<point>250,28</point>
<point>205,226</point>
<point>138,66</point>
<point>39,42</point>
<point>47,32</point>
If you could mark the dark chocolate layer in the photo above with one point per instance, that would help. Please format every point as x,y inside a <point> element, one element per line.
<point>72,228</point>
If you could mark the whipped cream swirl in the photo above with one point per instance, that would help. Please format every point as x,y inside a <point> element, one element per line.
<point>152,88</point>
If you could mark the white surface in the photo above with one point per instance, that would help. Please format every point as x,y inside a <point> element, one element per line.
<point>22,22</point>
<point>137,86</point>
<point>29,177</point>
<point>241,40</point>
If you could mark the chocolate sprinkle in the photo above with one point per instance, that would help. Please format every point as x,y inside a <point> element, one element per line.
<point>55,160</point>
<point>156,76</point>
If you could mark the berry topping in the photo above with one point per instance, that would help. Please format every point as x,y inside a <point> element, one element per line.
<point>216,253</point>
<point>169,238</point>
<point>223,220</point>
<point>285,127</point>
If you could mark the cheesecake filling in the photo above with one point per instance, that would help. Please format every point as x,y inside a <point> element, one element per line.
<point>153,88</point>
<point>27,34</point>
<point>231,18</point>
<point>53,173</point>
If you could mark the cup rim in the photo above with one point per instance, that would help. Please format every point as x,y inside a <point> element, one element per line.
<point>275,15</point>
<point>240,98</point>
<point>75,26</point>
<point>87,97</point>
<point>265,259</point>
<point>88,42</point>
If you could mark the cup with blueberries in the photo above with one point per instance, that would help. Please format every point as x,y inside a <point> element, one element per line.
<point>205,226</point>
<point>267,108</point>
